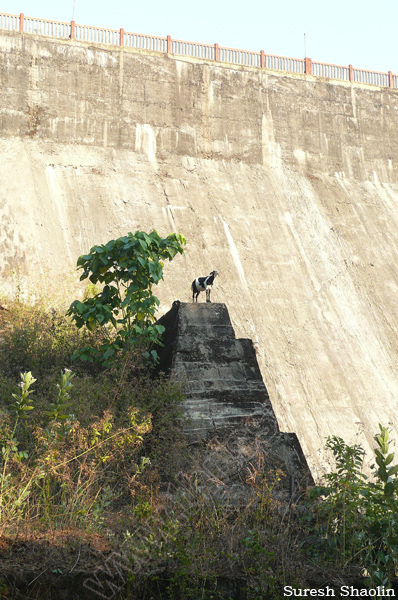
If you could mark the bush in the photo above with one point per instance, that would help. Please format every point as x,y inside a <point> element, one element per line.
<point>78,450</point>
<point>355,521</point>
<point>38,339</point>
<point>124,310</point>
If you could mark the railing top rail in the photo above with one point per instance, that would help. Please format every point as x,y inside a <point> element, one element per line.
<point>45,20</point>
<point>96,28</point>
<point>370,71</point>
<point>284,57</point>
<point>9,15</point>
<point>189,42</point>
<point>318,62</point>
<point>239,50</point>
<point>163,37</point>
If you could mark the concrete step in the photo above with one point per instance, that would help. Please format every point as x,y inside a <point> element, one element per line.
<point>235,371</point>
<point>216,351</point>
<point>213,407</point>
<point>206,331</point>
<point>203,314</point>
<point>231,387</point>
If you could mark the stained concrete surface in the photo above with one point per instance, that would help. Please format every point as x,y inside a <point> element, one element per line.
<point>286,185</point>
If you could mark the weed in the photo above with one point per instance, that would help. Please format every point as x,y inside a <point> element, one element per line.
<point>104,451</point>
<point>355,520</point>
<point>80,454</point>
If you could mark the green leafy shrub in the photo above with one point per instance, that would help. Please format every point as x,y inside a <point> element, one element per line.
<point>127,267</point>
<point>209,547</point>
<point>355,521</point>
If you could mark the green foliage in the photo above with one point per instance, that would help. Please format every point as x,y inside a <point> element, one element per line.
<point>72,471</point>
<point>356,520</point>
<point>93,449</point>
<point>207,546</point>
<point>82,447</point>
<point>21,400</point>
<point>38,338</point>
<point>59,406</point>
<point>12,495</point>
<point>125,309</point>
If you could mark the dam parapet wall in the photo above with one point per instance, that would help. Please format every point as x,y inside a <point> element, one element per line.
<point>180,48</point>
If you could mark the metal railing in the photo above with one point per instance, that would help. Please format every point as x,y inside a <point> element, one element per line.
<point>281,63</point>
<point>97,35</point>
<point>181,48</point>
<point>371,77</point>
<point>115,37</point>
<point>44,27</point>
<point>239,57</point>
<point>331,71</point>
<point>145,42</point>
<point>10,22</point>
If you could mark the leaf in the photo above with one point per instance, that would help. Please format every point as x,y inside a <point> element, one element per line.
<point>110,352</point>
<point>392,540</point>
<point>389,489</point>
<point>383,474</point>
<point>384,447</point>
<point>380,461</point>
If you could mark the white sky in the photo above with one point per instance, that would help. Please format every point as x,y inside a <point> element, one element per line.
<point>363,33</point>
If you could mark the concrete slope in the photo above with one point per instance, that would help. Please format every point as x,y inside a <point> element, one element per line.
<point>287,186</point>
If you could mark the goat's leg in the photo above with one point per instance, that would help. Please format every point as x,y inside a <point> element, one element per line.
<point>208,295</point>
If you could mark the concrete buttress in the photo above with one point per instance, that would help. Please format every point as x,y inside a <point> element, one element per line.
<point>223,387</point>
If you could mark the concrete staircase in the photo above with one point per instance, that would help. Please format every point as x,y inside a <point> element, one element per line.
<point>221,376</point>
<point>224,389</point>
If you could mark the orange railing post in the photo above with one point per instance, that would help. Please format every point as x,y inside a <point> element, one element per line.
<point>351,73</point>
<point>21,18</point>
<point>390,79</point>
<point>308,66</point>
<point>169,44</point>
<point>121,36</point>
<point>262,59</point>
<point>72,30</point>
<point>215,51</point>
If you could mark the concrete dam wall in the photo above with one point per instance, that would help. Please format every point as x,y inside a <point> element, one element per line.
<point>286,185</point>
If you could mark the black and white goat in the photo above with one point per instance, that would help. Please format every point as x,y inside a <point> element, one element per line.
<point>203,284</point>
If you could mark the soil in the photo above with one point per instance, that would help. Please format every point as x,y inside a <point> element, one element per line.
<point>51,564</point>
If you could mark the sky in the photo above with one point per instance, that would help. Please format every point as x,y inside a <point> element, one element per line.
<point>363,33</point>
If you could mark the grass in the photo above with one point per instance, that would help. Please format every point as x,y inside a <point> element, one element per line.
<point>90,454</point>
<point>79,452</point>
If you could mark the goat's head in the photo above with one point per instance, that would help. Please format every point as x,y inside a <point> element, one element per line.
<point>214,273</point>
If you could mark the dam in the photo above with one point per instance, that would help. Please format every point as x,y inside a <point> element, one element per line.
<point>285,183</point>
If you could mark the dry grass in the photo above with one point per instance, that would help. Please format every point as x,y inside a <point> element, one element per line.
<point>108,469</point>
